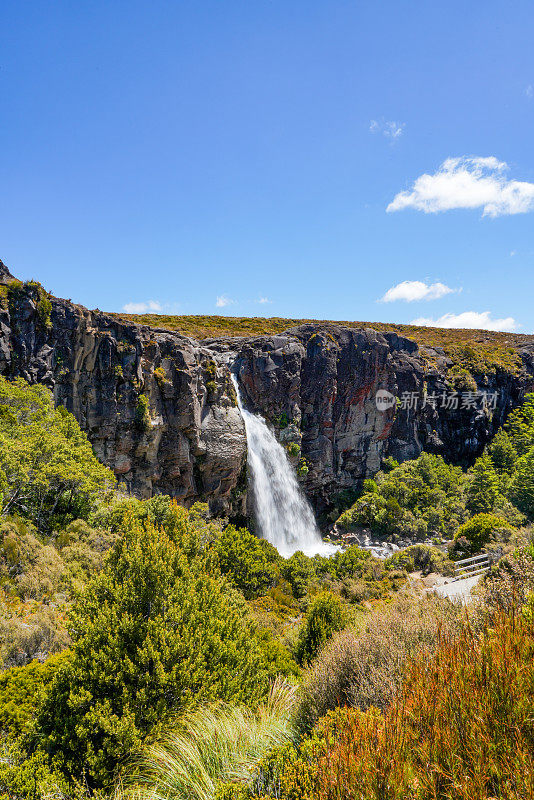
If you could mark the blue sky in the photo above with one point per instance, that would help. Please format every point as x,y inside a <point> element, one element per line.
<point>186,154</point>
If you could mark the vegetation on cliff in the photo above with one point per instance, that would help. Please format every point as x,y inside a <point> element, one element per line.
<point>476,351</point>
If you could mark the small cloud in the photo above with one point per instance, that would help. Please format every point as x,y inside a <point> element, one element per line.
<point>223,300</point>
<point>142,308</point>
<point>468,183</point>
<point>469,319</point>
<point>529,91</point>
<point>391,130</point>
<point>409,291</point>
<point>264,300</point>
<point>513,253</point>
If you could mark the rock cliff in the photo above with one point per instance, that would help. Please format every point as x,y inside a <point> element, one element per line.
<point>160,408</point>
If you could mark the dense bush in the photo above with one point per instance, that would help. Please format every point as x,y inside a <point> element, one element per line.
<point>483,489</point>
<point>39,576</point>
<point>522,485</point>
<point>422,557</point>
<point>420,498</point>
<point>363,668</point>
<point>34,567</point>
<point>153,633</point>
<point>461,727</point>
<point>250,563</point>
<point>21,689</point>
<point>298,571</point>
<point>29,777</point>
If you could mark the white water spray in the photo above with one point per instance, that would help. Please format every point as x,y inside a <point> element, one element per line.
<point>283,515</point>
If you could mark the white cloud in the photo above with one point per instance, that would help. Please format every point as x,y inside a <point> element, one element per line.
<point>392,130</point>
<point>264,300</point>
<point>513,253</point>
<point>416,290</point>
<point>142,308</point>
<point>469,319</point>
<point>223,300</point>
<point>529,91</point>
<point>468,183</point>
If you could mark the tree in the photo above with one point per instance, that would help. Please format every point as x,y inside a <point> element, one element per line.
<point>483,489</point>
<point>325,616</point>
<point>48,471</point>
<point>520,426</point>
<point>153,634</point>
<point>502,452</point>
<point>522,489</point>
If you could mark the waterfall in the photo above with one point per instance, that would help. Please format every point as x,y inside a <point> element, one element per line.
<point>283,515</point>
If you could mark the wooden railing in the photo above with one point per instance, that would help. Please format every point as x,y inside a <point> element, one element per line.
<point>475,565</point>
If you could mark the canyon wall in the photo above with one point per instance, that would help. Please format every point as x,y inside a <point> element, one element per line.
<point>160,408</point>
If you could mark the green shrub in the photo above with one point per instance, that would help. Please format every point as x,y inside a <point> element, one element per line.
<point>478,531</point>
<point>298,570</point>
<point>522,486</point>
<point>324,617</point>
<point>29,777</point>
<point>293,449</point>
<point>520,426</point>
<point>422,557</point>
<point>462,380</point>
<point>302,468</point>
<point>250,563</point>
<point>483,489</point>
<point>160,377</point>
<point>142,413</point>
<point>502,452</point>
<point>20,691</point>
<point>153,633</point>
<point>419,498</point>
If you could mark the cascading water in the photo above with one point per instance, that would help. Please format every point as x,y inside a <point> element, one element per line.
<point>283,515</point>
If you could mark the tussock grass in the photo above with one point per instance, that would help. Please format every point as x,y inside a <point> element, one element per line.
<point>215,744</point>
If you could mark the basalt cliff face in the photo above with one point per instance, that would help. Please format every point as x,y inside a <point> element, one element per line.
<point>160,408</point>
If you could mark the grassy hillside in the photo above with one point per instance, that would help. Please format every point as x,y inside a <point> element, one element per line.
<point>476,350</point>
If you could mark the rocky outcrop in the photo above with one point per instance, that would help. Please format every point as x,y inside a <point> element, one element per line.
<point>160,408</point>
<point>156,406</point>
<point>322,381</point>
